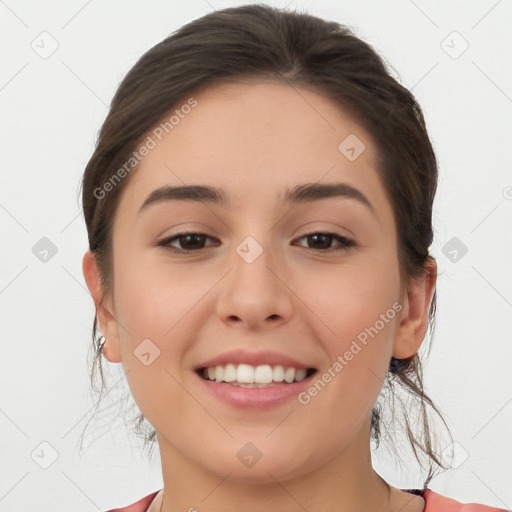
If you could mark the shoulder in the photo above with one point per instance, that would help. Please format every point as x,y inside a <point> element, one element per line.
<point>435,502</point>
<point>139,506</point>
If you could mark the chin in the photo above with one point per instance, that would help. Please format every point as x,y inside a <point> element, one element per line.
<point>260,474</point>
<point>250,465</point>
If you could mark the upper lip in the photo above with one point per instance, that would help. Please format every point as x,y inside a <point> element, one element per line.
<point>253,358</point>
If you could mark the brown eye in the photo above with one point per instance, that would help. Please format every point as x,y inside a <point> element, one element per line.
<point>323,241</point>
<point>193,242</point>
<point>188,242</point>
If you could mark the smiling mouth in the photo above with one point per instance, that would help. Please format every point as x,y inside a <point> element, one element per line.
<point>247,376</point>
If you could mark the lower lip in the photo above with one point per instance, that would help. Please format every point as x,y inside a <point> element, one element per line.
<point>255,398</point>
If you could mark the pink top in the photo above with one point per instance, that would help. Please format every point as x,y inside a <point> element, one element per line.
<point>433,503</point>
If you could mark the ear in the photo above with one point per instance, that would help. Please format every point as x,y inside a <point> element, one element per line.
<point>108,325</point>
<point>414,314</point>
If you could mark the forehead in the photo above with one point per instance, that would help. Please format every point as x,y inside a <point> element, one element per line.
<point>255,139</point>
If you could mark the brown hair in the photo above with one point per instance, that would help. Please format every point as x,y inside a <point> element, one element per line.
<point>261,42</point>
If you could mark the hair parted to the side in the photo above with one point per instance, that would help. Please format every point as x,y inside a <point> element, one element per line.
<point>265,43</point>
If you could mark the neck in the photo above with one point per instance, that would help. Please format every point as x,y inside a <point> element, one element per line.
<point>346,482</point>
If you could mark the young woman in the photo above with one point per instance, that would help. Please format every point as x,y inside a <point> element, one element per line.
<point>259,209</point>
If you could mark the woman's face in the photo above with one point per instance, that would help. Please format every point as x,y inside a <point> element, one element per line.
<point>257,288</point>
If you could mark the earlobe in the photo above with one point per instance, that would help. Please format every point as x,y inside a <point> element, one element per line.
<point>414,316</point>
<point>108,325</point>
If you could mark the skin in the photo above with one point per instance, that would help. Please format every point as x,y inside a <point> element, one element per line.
<point>254,140</point>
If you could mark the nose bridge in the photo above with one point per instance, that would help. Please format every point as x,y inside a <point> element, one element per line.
<point>253,293</point>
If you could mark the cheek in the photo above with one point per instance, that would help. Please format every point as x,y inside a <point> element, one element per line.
<point>152,298</point>
<point>147,312</point>
<point>350,298</point>
<point>359,351</point>
<point>153,308</point>
<point>358,310</point>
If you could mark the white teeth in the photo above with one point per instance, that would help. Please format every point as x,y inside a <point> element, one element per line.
<point>278,373</point>
<point>219,373</point>
<point>289,375</point>
<point>300,374</point>
<point>263,374</point>
<point>230,373</point>
<point>245,375</point>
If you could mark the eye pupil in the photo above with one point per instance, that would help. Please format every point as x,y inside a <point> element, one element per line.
<point>324,237</point>
<point>192,237</point>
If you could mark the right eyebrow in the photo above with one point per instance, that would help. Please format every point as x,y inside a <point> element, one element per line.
<point>198,193</point>
<point>306,192</point>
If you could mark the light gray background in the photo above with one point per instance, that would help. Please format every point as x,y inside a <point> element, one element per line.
<point>51,110</point>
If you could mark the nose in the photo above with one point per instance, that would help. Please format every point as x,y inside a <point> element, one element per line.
<point>254,294</point>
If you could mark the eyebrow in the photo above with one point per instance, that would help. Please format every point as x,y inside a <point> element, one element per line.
<point>304,193</point>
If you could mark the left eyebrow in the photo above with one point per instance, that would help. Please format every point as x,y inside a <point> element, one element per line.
<point>304,193</point>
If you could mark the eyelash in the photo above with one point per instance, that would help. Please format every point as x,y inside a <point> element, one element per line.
<point>346,243</point>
